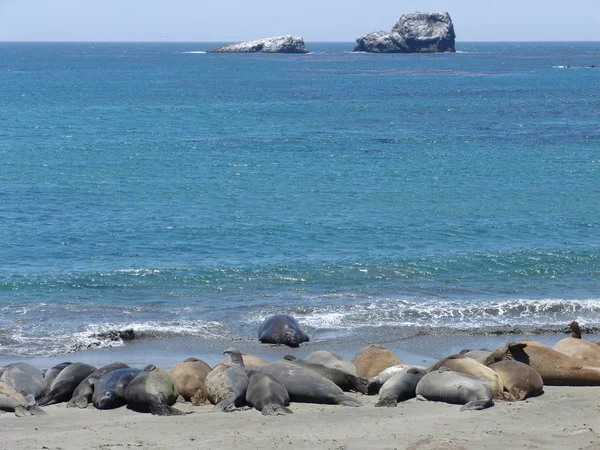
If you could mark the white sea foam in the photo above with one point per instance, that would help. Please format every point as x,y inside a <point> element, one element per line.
<point>198,52</point>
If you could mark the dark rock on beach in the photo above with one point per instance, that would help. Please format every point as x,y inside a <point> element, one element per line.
<point>413,33</point>
<point>280,44</point>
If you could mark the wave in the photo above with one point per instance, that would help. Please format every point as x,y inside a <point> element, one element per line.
<point>199,52</point>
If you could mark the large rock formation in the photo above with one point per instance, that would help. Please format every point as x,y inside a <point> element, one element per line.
<point>280,44</point>
<point>414,33</point>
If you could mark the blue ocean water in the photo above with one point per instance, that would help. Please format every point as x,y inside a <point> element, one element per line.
<point>176,192</point>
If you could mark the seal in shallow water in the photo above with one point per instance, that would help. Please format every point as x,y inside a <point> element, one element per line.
<point>445,385</point>
<point>109,391</point>
<point>82,395</point>
<point>281,329</point>
<point>400,387</point>
<point>153,391</point>
<point>65,383</point>
<point>344,380</point>
<point>268,395</point>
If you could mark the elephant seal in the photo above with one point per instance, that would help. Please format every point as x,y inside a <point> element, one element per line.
<point>65,383</point>
<point>51,374</point>
<point>25,379</point>
<point>401,386</point>
<point>577,348</point>
<point>373,359</point>
<point>13,401</point>
<point>304,385</point>
<point>469,366</point>
<point>478,355</point>
<point>226,384</point>
<point>344,380</point>
<point>189,377</point>
<point>445,385</point>
<point>555,368</point>
<point>82,395</point>
<point>377,381</point>
<point>109,390</point>
<point>153,391</point>
<point>249,360</point>
<point>520,380</point>
<point>333,360</point>
<point>268,395</point>
<point>435,444</point>
<point>281,329</point>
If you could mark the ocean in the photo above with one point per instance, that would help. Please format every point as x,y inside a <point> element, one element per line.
<point>187,195</point>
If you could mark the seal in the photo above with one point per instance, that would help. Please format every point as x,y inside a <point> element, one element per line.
<point>555,368</point>
<point>577,348</point>
<point>25,379</point>
<point>333,360</point>
<point>227,383</point>
<point>445,385</point>
<point>65,383</point>
<point>400,387</point>
<point>51,374</point>
<point>249,360</point>
<point>189,377</point>
<point>153,391</point>
<point>304,385</point>
<point>373,359</point>
<point>344,380</point>
<point>109,390</point>
<point>520,380</point>
<point>376,382</point>
<point>13,401</point>
<point>82,395</point>
<point>471,367</point>
<point>281,329</point>
<point>478,355</point>
<point>268,395</point>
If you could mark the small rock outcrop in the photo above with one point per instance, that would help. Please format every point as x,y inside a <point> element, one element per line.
<point>414,33</point>
<point>280,44</point>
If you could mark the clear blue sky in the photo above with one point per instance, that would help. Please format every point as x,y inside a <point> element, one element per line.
<point>315,20</point>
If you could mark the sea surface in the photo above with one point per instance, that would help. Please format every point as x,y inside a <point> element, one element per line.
<point>184,194</point>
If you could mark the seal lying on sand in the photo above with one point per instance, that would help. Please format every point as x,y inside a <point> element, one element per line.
<point>109,391</point>
<point>268,395</point>
<point>555,368</point>
<point>189,377</point>
<point>82,395</point>
<point>344,380</point>
<point>577,348</point>
<point>226,384</point>
<point>333,360</point>
<point>377,381</point>
<point>281,329</point>
<point>152,391</point>
<point>304,385</point>
<point>65,383</point>
<point>520,380</point>
<point>373,359</point>
<point>401,386</point>
<point>25,379</point>
<point>13,401</point>
<point>478,355</point>
<point>249,360</point>
<point>445,385</point>
<point>469,366</point>
<point>51,374</point>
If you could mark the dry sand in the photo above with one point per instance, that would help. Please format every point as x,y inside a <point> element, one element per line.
<point>562,418</point>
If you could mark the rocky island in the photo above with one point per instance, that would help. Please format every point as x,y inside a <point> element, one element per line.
<point>413,33</point>
<point>279,44</point>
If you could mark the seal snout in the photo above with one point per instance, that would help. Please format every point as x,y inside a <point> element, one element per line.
<point>291,338</point>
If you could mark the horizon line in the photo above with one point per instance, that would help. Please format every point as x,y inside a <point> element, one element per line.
<point>237,41</point>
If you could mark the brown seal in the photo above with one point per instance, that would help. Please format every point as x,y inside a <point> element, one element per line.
<point>373,359</point>
<point>249,360</point>
<point>577,348</point>
<point>189,377</point>
<point>555,368</point>
<point>520,380</point>
<point>469,366</point>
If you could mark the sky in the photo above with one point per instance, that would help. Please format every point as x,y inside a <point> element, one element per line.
<point>314,20</point>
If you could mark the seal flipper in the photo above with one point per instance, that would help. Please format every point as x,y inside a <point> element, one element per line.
<point>48,399</point>
<point>276,410</point>
<point>36,411</point>
<point>477,405</point>
<point>21,411</point>
<point>160,409</point>
<point>360,384</point>
<point>81,401</point>
<point>290,358</point>
<point>347,401</point>
<point>391,402</point>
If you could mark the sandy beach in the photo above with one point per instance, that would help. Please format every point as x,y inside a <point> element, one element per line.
<point>561,418</point>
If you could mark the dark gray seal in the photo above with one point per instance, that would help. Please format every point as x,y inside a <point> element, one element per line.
<point>445,385</point>
<point>236,381</point>
<point>400,387</point>
<point>82,395</point>
<point>268,395</point>
<point>51,374</point>
<point>65,383</point>
<point>333,360</point>
<point>281,329</point>
<point>153,391</point>
<point>304,385</point>
<point>344,380</point>
<point>109,390</point>
<point>25,379</point>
